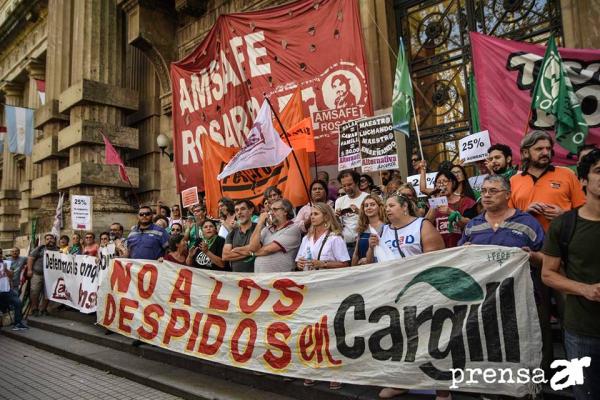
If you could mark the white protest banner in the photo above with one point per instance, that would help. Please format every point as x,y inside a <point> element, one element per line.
<point>106,253</point>
<point>349,147</point>
<point>81,212</point>
<point>476,182</point>
<point>377,143</point>
<point>189,197</point>
<point>71,280</point>
<point>474,147</point>
<point>435,202</point>
<point>460,308</point>
<point>415,181</point>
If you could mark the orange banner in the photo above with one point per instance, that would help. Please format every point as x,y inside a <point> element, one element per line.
<point>251,184</point>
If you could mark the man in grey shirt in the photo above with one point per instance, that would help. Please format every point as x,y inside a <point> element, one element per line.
<point>236,247</point>
<point>35,271</point>
<point>275,247</point>
<point>16,263</point>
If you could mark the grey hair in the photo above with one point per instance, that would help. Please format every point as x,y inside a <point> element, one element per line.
<point>533,137</point>
<point>289,208</point>
<point>498,178</point>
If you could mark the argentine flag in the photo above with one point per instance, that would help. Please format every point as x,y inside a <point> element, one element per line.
<point>19,129</point>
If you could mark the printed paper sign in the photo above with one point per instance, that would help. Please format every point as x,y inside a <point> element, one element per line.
<point>415,181</point>
<point>189,197</point>
<point>435,202</point>
<point>349,146</point>
<point>72,280</point>
<point>477,182</point>
<point>377,143</point>
<point>461,308</point>
<point>81,213</point>
<point>474,147</point>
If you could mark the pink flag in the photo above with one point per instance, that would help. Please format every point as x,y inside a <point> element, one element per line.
<point>112,158</point>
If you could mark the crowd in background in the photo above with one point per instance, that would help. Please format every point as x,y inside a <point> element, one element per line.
<point>349,218</point>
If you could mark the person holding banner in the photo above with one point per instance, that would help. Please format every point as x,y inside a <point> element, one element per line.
<point>76,247</point>
<point>372,215</point>
<point>146,241</point>
<point>193,231</point>
<point>208,254</point>
<point>178,250</point>
<point>405,235</point>
<point>236,250</point>
<point>35,271</point>
<point>347,207</point>
<point>9,297</point>
<point>63,244</point>
<point>90,247</point>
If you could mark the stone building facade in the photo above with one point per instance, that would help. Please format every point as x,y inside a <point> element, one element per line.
<point>106,68</point>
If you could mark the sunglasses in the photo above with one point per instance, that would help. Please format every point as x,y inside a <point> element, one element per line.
<point>145,214</point>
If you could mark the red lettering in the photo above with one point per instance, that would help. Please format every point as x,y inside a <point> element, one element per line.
<point>171,330</point>
<point>121,276</point>
<point>305,341</point>
<point>281,361</point>
<point>318,339</point>
<point>216,303</point>
<point>205,347</point>
<point>109,311</point>
<point>235,340</point>
<point>247,285</point>
<point>182,288</point>
<point>195,328</point>
<point>149,320</point>
<point>124,315</point>
<point>296,297</point>
<point>147,269</point>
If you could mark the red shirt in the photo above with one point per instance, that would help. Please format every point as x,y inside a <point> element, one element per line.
<point>91,250</point>
<point>441,221</point>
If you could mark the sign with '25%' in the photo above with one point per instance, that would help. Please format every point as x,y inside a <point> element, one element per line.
<point>474,147</point>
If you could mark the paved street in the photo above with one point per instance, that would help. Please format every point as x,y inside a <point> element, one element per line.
<point>30,373</point>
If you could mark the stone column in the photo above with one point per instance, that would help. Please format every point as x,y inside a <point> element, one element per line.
<point>28,206</point>
<point>47,117</point>
<point>96,102</point>
<point>9,189</point>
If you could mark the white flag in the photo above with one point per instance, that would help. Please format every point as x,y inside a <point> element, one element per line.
<point>263,147</point>
<point>57,224</point>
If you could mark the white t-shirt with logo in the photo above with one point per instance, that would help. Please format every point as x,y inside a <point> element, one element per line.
<point>349,221</point>
<point>407,239</point>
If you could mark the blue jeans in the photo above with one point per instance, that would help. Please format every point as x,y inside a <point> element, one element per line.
<point>579,346</point>
<point>11,298</point>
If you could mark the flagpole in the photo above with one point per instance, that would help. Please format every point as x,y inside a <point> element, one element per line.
<point>290,144</point>
<point>412,106</point>
<point>316,165</point>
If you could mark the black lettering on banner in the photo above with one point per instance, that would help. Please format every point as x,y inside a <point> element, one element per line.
<point>394,331</point>
<point>412,321</point>
<point>489,316</point>
<point>473,334</point>
<point>357,302</point>
<point>508,313</point>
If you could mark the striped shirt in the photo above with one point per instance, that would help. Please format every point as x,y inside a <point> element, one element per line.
<point>519,230</point>
<point>147,244</point>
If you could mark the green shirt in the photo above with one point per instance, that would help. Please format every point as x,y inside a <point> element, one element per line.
<point>582,316</point>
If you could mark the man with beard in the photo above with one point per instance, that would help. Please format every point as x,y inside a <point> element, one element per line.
<point>275,246</point>
<point>499,161</point>
<point>236,249</point>
<point>35,271</point>
<point>347,207</point>
<point>541,189</point>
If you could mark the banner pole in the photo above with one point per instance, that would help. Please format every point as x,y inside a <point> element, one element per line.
<point>290,144</point>
<point>316,165</point>
<point>412,106</point>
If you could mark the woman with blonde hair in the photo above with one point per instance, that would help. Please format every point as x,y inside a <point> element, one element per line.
<point>323,247</point>
<point>372,214</point>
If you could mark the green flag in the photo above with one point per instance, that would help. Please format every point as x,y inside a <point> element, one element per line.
<point>554,94</point>
<point>402,94</point>
<point>473,105</point>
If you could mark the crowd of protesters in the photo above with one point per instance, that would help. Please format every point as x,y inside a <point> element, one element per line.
<point>534,208</point>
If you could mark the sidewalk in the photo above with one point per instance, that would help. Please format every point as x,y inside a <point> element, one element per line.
<point>29,373</point>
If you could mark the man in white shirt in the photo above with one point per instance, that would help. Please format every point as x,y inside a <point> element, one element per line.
<point>347,207</point>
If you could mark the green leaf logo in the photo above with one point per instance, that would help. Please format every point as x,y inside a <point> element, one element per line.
<point>453,283</point>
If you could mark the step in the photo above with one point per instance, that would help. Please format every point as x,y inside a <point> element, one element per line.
<point>167,378</point>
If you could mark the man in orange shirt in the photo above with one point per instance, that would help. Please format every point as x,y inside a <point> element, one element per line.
<point>543,190</point>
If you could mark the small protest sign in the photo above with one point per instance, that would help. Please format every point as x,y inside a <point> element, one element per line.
<point>349,147</point>
<point>189,197</point>
<point>377,143</point>
<point>81,212</point>
<point>415,181</point>
<point>474,147</point>
<point>435,202</point>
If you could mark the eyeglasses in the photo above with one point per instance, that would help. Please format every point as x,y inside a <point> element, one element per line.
<point>277,208</point>
<point>103,238</point>
<point>491,191</point>
<point>362,180</point>
<point>145,214</point>
<point>442,182</point>
<point>415,160</point>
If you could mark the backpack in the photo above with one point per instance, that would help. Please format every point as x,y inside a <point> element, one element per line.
<point>567,229</point>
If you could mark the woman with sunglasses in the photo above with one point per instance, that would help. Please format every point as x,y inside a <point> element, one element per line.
<point>451,219</point>
<point>405,235</point>
<point>176,229</point>
<point>372,215</point>
<point>209,251</point>
<point>90,247</point>
<point>318,194</point>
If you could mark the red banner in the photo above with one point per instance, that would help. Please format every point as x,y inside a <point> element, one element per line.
<point>218,89</point>
<point>505,72</point>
